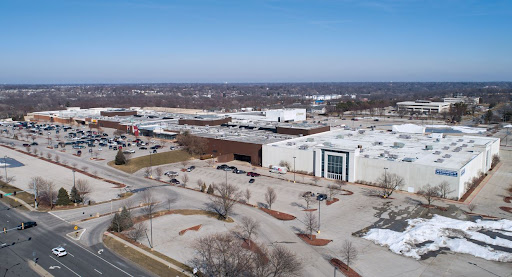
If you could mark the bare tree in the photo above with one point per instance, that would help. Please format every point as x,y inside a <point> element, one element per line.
<point>210,162</point>
<point>74,165</point>
<point>388,183</point>
<point>270,197</point>
<point>224,203</point>
<point>35,151</point>
<point>471,207</point>
<point>279,262</point>
<point>147,172</point>
<point>64,162</point>
<point>49,156</point>
<point>222,255</point>
<point>429,193</point>
<point>46,192</point>
<point>184,179</point>
<point>311,223</point>
<point>249,227</point>
<point>316,179</point>
<point>247,195</point>
<point>348,253</point>
<point>444,189</point>
<point>308,198</point>
<point>158,172</point>
<point>184,163</point>
<point>83,188</point>
<point>332,191</point>
<point>170,201</point>
<point>57,158</point>
<point>148,202</point>
<point>137,232</point>
<point>84,168</point>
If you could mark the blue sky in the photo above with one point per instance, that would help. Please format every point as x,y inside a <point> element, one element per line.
<point>114,41</point>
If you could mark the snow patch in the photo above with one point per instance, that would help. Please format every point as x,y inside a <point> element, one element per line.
<point>462,129</point>
<point>409,128</point>
<point>433,234</point>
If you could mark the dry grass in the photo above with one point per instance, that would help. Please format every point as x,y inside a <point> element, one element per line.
<point>25,196</point>
<point>184,212</point>
<point>140,259</point>
<point>138,163</point>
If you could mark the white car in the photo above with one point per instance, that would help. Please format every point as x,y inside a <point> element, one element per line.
<point>59,251</point>
<point>131,151</point>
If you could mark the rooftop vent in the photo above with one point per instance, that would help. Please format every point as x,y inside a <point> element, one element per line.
<point>403,136</point>
<point>437,153</point>
<point>439,160</point>
<point>361,132</point>
<point>429,147</point>
<point>464,145</point>
<point>446,148</point>
<point>398,144</point>
<point>460,140</point>
<point>366,155</point>
<point>471,141</point>
<point>377,143</point>
<point>310,139</point>
<point>457,149</point>
<point>327,144</point>
<point>339,136</point>
<point>453,144</point>
<point>303,147</point>
<point>393,156</point>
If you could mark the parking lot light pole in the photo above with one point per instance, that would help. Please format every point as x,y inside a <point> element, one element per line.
<point>294,169</point>
<point>5,167</point>
<point>319,202</point>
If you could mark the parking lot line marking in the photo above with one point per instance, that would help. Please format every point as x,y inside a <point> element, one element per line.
<point>71,255</point>
<point>64,265</point>
<point>98,271</point>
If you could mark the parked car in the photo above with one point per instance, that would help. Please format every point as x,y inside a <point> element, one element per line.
<point>26,145</point>
<point>253,174</point>
<point>59,251</point>
<point>143,148</point>
<point>222,166</point>
<point>34,143</point>
<point>321,196</point>
<point>175,181</point>
<point>26,225</point>
<point>308,194</point>
<point>131,151</point>
<point>239,171</point>
<point>171,173</point>
<point>251,180</point>
<point>190,168</point>
<point>172,148</point>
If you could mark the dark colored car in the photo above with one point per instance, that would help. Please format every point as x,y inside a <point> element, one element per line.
<point>251,181</point>
<point>191,168</point>
<point>143,148</point>
<point>26,145</point>
<point>26,225</point>
<point>175,181</point>
<point>34,143</point>
<point>321,196</point>
<point>253,174</point>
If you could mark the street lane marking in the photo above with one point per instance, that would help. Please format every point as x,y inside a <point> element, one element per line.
<point>98,271</point>
<point>64,266</point>
<point>102,259</point>
<point>54,267</point>
<point>100,251</point>
<point>71,255</point>
<point>59,217</point>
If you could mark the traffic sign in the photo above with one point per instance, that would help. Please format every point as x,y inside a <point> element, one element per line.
<point>76,228</point>
<point>7,194</point>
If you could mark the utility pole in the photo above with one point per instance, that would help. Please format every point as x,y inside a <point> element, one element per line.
<point>35,194</point>
<point>5,167</point>
<point>294,169</point>
<point>151,222</point>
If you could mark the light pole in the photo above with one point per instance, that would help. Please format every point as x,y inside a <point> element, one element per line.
<point>294,169</point>
<point>150,165</point>
<point>319,202</point>
<point>5,168</point>
<point>385,175</point>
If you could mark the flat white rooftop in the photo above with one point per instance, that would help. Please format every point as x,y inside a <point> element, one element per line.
<point>448,152</point>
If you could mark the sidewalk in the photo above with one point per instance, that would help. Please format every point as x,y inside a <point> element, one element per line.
<point>30,208</point>
<point>168,264</point>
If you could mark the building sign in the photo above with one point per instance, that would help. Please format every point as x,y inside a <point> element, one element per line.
<point>446,172</point>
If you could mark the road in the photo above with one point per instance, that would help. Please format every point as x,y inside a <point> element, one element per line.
<point>37,242</point>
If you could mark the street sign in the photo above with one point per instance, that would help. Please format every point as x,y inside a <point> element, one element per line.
<point>76,228</point>
<point>7,194</point>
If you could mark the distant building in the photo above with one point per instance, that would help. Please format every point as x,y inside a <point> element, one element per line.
<point>423,106</point>
<point>462,99</point>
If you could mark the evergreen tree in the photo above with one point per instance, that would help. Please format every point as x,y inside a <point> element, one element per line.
<point>203,187</point>
<point>126,219</point>
<point>210,189</point>
<point>63,197</point>
<point>116,224</point>
<point>120,158</point>
<point>75,196</point>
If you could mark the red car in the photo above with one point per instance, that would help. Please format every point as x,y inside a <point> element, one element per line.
<point>253,174</point>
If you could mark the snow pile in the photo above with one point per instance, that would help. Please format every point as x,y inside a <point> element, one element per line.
<point>462,129</point>
<point>409,128</point>
<point>425,235</point>
<point>508,126</point>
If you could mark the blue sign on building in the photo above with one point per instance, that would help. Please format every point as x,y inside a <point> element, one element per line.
<point>446,172</point>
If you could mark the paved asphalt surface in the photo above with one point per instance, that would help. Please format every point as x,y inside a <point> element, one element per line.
<point>50,232</point>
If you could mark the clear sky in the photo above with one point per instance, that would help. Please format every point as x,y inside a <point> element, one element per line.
<point>116,41</point>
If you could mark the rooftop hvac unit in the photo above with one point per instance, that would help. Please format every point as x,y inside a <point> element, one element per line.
<point>382,154</point>
<point>289,143</point>
<point>471,141</point>
<point>310,139</point>
<point>393,156</point>
<point>366,155</point>
<point>327,144</point>
<point>429,147</point>
<point>464,145</point>
<point>360,146</point>
<point>453,144</point>
<point>437,153</point>
<point>446,148</point>
<point>361,132</point>
<point>409,160</point>
<point>398,144</point>
<point>403,136</point>
<point>439,160</point>
<point>339,136</point>
<point>460,140</point>
<point>457,149</point>
<point>386,152</point>
<point>303,147</point>
<point>377,143</point>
